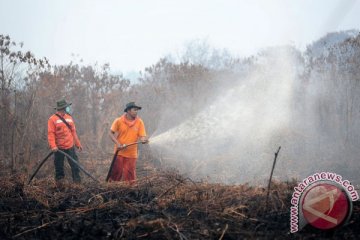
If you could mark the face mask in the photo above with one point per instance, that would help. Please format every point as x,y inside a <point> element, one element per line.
<point>68,110</point>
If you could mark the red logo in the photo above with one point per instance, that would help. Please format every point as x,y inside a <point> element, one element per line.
<point>325,206</point>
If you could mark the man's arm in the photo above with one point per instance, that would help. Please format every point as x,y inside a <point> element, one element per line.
<point>77,141</point>
<point>76,138</point>
<point>51,135</point>
<point>113,135</point>
<point>142,133</point>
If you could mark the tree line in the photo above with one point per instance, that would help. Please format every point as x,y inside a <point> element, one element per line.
<point>169,91</point>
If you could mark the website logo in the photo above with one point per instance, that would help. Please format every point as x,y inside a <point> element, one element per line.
<point>323,200</point>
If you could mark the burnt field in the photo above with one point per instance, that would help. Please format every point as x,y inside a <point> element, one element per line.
<point>159,206</point>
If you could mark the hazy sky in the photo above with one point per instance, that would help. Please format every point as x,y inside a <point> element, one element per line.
<point>131,35</point>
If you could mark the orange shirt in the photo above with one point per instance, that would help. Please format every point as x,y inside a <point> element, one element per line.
<point>59,135</point>
<point>128,132</point>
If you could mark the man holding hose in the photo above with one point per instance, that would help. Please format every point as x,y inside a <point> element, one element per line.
<point>62,135</point>
<point>127,129</point>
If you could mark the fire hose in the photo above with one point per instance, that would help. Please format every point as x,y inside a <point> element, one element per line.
<point>68,157</point>
<point>114,158</point>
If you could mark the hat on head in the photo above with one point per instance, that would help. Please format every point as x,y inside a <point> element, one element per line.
<point>131,105</point>
<point>62,104</point>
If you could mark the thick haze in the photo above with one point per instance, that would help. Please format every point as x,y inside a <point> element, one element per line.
<point>131,35</point>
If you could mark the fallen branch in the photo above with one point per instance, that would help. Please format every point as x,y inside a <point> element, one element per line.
<point>224,231</point>
<point>33,229</point>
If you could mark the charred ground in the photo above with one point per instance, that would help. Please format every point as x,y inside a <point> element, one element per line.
<point>160,206</point>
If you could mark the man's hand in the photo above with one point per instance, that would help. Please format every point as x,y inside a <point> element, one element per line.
<point>80,148</point>
<point>55,149</point>
<point>144,140</point>
<point>121,147</point>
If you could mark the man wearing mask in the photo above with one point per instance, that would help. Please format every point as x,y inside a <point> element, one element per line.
<point>62,135</point>
<point>127,129</point>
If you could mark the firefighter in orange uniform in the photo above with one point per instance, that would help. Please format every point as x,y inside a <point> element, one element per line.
<point>62,135</point>
<point>128,128</point>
